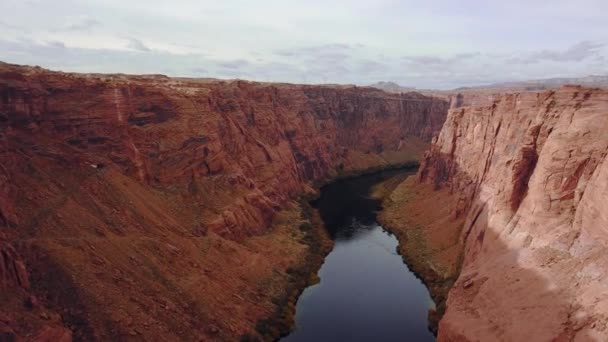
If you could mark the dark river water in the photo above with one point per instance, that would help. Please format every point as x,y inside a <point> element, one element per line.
<point>366,292</point>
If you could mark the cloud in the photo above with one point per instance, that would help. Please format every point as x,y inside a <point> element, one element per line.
<point>68,58</point>
<point>56,44</point>
<point>82,24</point>
<point>575,53</point>
<point>423,44</point>
<point>9,26</point>
<point>318,51</point>
<point>199,71</point>
<point>435,61</point>
<point>138,45</point>
<point>329,63</point>
<point>286,53</point>
<point>323,63</point>
<point>466,55</point>
<point>233,64</point>
<point>425,60</point>
<point>370,66</point>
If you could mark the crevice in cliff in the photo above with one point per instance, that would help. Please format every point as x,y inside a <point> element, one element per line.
<point>524,168</point>
<point>490,154</point>
<point>522,171</point>
<point>478,211</point>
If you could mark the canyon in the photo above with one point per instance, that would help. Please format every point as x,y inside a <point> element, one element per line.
<point>515,192</point>
<point>148,207</point>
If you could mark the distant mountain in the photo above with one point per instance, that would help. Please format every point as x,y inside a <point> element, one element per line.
<point>594,81</point>
<point>485,94</point>
<point>392,87</point>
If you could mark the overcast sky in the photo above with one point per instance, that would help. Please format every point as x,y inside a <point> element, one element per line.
<point>427,44</point>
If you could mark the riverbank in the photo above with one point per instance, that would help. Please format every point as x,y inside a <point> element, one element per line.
<point>313,235</point>
<point>354,300</point>
<point>428,236</point>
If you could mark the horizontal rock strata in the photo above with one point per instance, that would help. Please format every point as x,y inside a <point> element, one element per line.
<point>142,205</point>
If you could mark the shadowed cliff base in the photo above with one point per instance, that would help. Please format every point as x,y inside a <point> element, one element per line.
<point>495,297</point>
<point>429,237</point>
<point>532,168</point>
<point>527,174</point>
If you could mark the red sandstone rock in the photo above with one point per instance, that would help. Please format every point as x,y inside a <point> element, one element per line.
<point>175,132</point>
<point>53,334</point>
<point>99,168</point>
<point>12,269</point>
<point>533,174</point>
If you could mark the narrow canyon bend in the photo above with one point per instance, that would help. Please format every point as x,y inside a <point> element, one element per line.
<point>156,208</point>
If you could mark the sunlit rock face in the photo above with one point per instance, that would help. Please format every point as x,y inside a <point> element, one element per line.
<point>530,174</point>
<point>117,190</point>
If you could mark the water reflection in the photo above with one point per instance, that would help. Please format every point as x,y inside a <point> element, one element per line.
<point>366,293</point>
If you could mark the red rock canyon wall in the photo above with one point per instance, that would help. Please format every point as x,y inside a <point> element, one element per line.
<point>530,175</point>
<point>129,205</point>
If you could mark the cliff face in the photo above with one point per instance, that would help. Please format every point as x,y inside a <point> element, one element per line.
<point>271,139</point>
<point>529,176</point>
<point>143,205</point>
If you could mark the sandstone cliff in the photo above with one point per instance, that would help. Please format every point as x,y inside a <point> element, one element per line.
<point>527,179</point>
<point>156,207</point>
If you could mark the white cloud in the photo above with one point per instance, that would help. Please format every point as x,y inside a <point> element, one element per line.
<point>81,24</point>
<point>438,43</point>
<point>137,45</point>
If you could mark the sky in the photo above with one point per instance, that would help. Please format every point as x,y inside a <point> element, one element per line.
<point>439,44</point>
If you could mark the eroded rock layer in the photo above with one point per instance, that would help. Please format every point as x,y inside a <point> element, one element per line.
<point>528,174</point>
<point>162,208</point>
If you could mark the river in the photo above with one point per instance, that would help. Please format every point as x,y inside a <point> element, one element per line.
<point>366,292</point>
